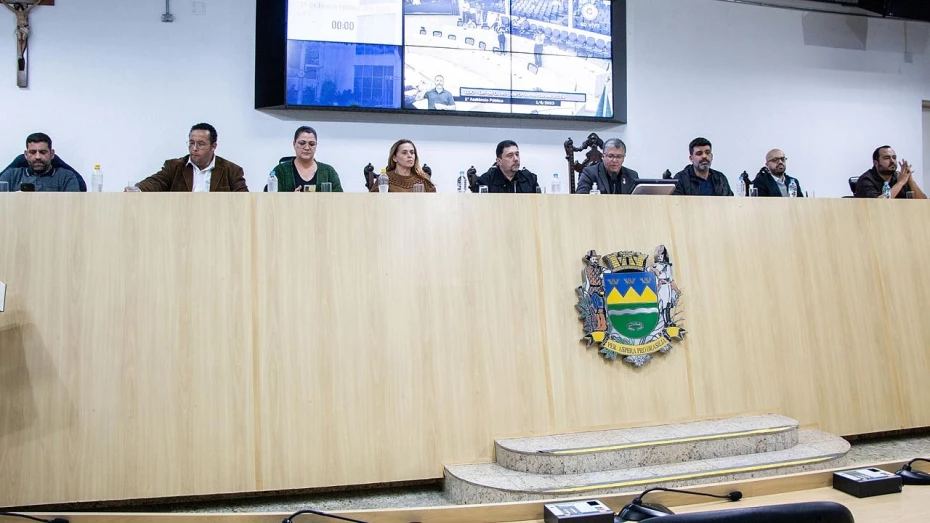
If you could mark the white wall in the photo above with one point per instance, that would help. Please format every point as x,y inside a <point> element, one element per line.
<point>113,85</point>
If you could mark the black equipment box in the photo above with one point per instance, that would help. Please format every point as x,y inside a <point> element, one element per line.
<point>863,483</point>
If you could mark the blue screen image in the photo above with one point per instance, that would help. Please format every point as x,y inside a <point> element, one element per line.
<point>332,74</point>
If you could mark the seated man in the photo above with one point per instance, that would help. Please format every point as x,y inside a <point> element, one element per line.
<point>884,169</point>
<point>772,180</point>
<point>200,171</point>
<point>698,179</point>
<point>610,174</point>
<point>39,170</point>
<point>506,176</point>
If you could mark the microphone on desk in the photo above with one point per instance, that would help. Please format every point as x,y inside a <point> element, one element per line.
<point>636,510</point>
<point>290,519</point>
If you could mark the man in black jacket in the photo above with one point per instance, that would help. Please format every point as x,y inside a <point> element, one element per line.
<point>885,169</point>
<point>610,175</point>
<point>772,179</point>
<point>698,179</point>
<point>506,176</point>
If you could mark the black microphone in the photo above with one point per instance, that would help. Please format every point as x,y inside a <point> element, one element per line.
<point>914,477</point>
<point>636,510</point>
<point>290,518</point>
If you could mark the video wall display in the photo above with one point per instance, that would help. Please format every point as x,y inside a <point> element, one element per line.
<point>529,57</point>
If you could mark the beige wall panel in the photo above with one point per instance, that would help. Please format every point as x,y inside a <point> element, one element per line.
<point>396,332</point>
<point>780,311</point>
<point>901,236</point>
<point>589,391</point>
<point>125,350</point>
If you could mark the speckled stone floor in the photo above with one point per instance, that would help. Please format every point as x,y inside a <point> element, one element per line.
<point>862,452</point>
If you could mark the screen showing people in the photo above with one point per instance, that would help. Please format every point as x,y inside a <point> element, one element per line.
<point>545,57</point>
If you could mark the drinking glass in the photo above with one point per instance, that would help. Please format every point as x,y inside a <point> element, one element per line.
<point>326,187</point>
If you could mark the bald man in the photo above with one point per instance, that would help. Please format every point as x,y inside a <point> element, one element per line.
<point>772,179</point>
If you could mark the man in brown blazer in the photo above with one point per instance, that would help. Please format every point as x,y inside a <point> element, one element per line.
<point>200,171</point>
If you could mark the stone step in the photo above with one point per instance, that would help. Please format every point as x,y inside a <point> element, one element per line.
<point>647,446</point>
<point>492,483</point>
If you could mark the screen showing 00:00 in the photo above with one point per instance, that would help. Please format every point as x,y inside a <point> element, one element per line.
<point>546,57</point>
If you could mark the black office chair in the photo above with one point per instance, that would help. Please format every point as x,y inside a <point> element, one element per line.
<point>814,511</point>
<point>852,183</point>
<point>20,162</point>
<point>667,175</point>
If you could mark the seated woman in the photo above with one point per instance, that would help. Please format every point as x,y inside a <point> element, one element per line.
<point>403,169</point>
<point>304,170</point>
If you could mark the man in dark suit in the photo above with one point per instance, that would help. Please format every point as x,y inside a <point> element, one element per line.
<point>610,175</point>
<point>772,180</point>
<point>200,171</point>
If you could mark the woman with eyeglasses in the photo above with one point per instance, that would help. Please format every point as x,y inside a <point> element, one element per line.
<point>304,172</point>
<point>404,171</point>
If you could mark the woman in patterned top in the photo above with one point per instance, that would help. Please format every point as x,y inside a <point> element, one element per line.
<point>403,169</point>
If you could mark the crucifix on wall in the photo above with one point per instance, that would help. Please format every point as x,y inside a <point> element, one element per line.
<point>21,9</point>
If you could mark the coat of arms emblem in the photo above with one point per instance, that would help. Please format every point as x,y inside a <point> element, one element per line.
<point>630,307</point>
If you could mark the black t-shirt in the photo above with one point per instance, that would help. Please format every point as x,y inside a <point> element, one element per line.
<point>300,183</point>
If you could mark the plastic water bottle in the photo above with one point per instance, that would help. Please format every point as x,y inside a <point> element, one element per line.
<point>886,191</point>
<point>793,189</point>
<point>272,182</point>
<point>461,184</point>
<point>741,187</point>
<point>384,183</point>
<point>96,179</point>
<point>556,184</point>
<point>594,189</point>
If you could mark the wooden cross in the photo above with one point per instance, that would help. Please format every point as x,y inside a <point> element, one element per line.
<point>21,9</point>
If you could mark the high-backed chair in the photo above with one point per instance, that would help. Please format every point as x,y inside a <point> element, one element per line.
<point>852,183</point>
<point>285,159</point>
<point>472,175</point>
<point>58,163</point>
<point>667,175</point>
<point>369,173</point>
<point>595,153</point>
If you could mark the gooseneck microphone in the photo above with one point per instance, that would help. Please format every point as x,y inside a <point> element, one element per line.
<point>636,510</point>
<point>732,496</point>
<point>914,477</point>
<point>290,518</point>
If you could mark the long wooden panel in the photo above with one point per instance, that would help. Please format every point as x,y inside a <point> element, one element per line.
<point>397,333</point>
<point>170,345</point>
<point>125,364</point>
<point>588,390</point>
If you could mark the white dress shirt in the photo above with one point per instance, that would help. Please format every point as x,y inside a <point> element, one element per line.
<point>202,177</point>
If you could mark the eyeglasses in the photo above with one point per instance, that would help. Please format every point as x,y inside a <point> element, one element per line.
<point>615,156</point>
<point>197,145</point>
<point>305,145</point>
<point>782,159</point>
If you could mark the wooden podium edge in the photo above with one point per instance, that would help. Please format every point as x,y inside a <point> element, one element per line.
<point>498,512</point>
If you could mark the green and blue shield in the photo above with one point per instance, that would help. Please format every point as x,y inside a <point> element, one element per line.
<point>632,303</point>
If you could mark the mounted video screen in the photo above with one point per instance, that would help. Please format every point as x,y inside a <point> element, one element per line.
<point>528,57</point>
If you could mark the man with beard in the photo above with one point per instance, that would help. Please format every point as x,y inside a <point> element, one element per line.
<point>506,176</point>
<point>772,180</point>
<point>884,169</point>
<point>438,98</point>
<point>698,179</point>
<point>40,172</point>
